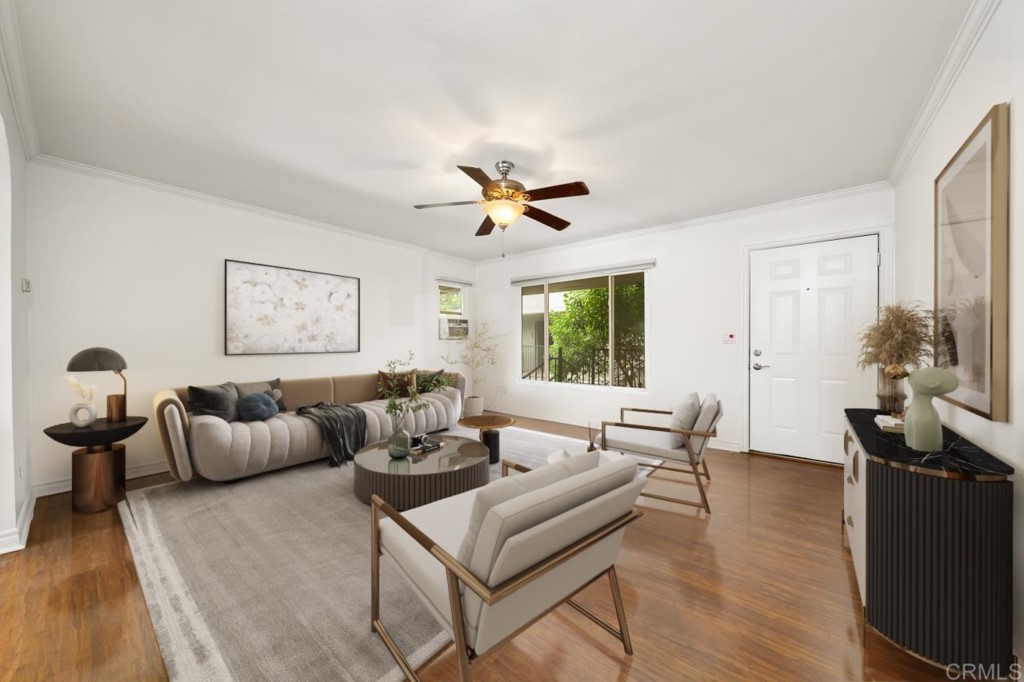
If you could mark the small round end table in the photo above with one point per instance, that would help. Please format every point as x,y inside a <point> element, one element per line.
<point>488,425</point>
<point>97,467</point>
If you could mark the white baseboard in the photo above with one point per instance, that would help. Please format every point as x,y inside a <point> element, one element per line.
<point>10,541</point>
<point>16,538</point>
<point>64,485</point>
<point>25,516</point>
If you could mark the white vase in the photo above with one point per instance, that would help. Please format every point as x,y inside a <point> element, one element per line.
<point>82,414</point>
<point>474,406</point>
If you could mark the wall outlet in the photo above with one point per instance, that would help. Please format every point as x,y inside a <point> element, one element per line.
<point>26,285</point>
<point>729,337</point>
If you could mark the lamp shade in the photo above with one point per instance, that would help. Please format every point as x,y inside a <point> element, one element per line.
<point>97,360</point>
<point>503,212</point>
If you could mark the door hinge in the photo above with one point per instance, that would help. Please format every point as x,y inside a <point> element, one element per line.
<point>878,259</point>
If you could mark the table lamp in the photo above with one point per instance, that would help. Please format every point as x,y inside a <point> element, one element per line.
<point>104,360</point>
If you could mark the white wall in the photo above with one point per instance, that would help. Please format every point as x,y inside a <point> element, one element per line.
<point>993,74</point>
<point>693,297</point>
<point>14,481</point>
<point>140,270</point>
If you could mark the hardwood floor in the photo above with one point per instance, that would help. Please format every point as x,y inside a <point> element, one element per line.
<point>760,589</point>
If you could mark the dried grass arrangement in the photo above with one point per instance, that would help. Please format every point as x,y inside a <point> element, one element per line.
<point>903,336</point>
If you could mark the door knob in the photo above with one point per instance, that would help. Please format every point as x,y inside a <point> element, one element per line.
<point>758,365</point>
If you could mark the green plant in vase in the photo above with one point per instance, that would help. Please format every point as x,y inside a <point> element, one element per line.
<point>902,337</point>
<point>403,399</point>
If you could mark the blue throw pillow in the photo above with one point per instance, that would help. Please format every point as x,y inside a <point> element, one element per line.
<point>257,407</point>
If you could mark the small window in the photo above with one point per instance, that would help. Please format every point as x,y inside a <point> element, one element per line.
<point>451,300</point>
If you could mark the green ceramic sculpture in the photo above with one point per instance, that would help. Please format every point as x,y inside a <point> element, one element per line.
<point>922,427</point>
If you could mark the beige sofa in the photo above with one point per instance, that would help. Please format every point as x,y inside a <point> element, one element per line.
<point>212,448</point>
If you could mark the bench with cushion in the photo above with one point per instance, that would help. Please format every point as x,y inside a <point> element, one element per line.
<point>219,450</point>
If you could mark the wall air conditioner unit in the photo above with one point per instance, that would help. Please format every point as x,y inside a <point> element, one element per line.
<point>454,328</point>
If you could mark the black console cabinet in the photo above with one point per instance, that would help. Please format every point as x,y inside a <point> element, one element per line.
<point>938,545</point>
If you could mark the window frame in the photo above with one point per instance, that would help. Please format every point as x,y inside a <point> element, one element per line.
<point>546,374</point>
<point>462,303</point>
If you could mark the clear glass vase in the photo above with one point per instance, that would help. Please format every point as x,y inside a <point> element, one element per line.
<point>399,443</point>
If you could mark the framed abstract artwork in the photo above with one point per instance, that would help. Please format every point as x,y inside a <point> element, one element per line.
<point>273,310</point>
<point>972,267</point>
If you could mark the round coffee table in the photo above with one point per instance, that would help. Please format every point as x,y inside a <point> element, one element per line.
<point>460,465</point>
<point>488,425</point>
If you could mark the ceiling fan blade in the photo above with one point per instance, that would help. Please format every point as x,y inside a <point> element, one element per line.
<point>571,189</point>
<point>485,227</point>
<point>449,203</point>
<point>546,218</point>
<point>477,174</point>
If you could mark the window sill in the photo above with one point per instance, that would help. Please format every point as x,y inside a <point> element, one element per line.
<point>557,385</point>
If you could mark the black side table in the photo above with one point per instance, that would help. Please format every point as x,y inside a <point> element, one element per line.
<point>97,467</point>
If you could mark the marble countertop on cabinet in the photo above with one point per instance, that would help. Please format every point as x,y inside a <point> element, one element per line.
<point>958,455</point>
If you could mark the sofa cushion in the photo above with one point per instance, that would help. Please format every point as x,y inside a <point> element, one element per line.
<point>257,407</point>
<point>446,521</point>
<point>515,515</point>
<point>710,413</point>
<point>643,442</point>
<point>216,401</point>
<point>224,451</point>
<point>271,388</point>
<point>684,416</point>
<point>300,392</point>
<point>504,489</point>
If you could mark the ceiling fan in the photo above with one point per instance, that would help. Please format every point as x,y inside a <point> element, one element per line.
<point>505,200</point>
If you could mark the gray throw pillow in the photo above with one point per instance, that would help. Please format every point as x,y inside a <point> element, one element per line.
<point>684,417</point>
<point>271,388</point>
<point>215,401</point>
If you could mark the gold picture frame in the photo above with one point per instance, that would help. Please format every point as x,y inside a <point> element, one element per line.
<point>972,216</point>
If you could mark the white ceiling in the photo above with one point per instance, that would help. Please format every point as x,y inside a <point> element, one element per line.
<point>351,112</point>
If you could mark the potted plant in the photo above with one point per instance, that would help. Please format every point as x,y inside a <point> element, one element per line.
<point>403,399</point>
<point>903,336</point>
<point>477,351</point>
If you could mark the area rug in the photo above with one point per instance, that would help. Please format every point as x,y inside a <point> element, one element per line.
<point>268,578</point>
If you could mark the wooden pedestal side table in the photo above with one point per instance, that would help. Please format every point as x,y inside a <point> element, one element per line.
<point>488,425</point>
<point>97,466</point>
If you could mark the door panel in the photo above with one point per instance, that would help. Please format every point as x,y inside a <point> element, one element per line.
<point>808,304</point>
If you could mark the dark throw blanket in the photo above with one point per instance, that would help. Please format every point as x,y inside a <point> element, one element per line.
<point>342,427</point>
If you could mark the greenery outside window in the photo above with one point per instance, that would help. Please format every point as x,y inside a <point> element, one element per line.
<point>451,299</point>
<point>585,331</point>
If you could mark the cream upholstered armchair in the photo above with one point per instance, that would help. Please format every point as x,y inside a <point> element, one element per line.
<point>684,440</point>
<point>492,561</point>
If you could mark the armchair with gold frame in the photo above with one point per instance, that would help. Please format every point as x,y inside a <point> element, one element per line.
<point>583,515</point>
<point>655,441</point>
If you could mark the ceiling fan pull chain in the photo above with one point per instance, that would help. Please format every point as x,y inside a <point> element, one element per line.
<point>502,242</point>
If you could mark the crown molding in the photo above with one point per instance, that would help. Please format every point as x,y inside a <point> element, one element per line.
<point>978,16</point>
<point>13,69</point>
<point>835,195</point>
<point>96,171</point>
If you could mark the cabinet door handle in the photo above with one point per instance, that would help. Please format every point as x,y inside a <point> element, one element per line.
<point>849,521</point>
<point>856,466</point>
<point>847,438</point>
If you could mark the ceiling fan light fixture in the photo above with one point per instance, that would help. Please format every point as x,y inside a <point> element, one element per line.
<point>503,212</point>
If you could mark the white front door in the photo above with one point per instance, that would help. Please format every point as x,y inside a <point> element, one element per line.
<point>808,305</point>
